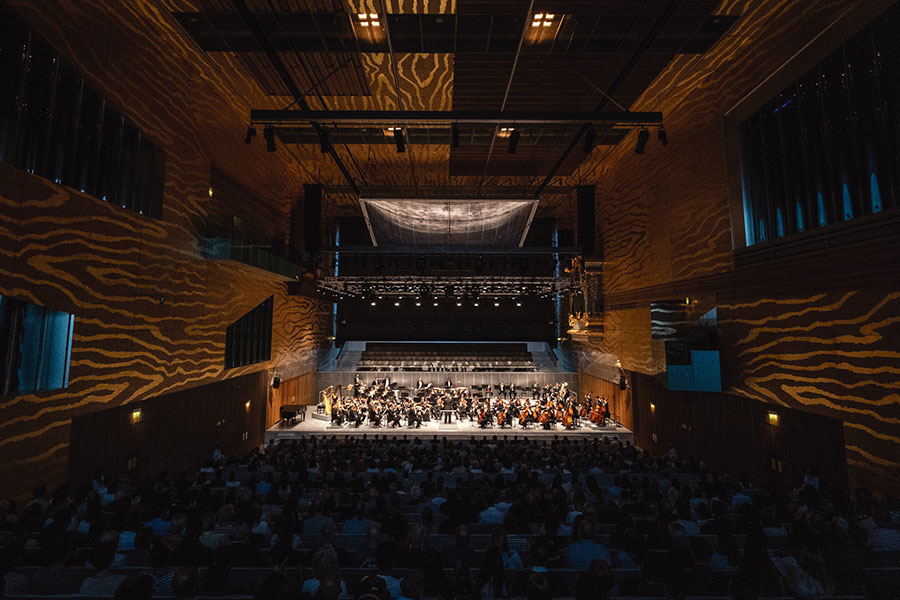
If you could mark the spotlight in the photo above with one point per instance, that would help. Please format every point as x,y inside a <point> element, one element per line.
<point>663,136</point>
<point>396,304</point>
<point>251,133</point>
<point>513,141</point>
<point>418,304</point>
<point>496,304</point>
<point>459,303</point>
<point>454,136</point>
<point>399,141</point>
<point>518,304</point>
<point>476,304</point>
<point>269,134</point>
<point>324,142</point>
<point>589,136</point>
<point>435,303</point>
<point>373,303</point>
<point>643,136</point>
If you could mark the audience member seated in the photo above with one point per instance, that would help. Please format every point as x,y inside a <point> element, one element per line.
<point>104,582</point>
<point>584,549</point>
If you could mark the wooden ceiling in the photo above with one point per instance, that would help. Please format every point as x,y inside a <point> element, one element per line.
<point>451,54</point>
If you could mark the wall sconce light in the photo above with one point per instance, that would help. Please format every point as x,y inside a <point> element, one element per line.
<point>247,405</point>
<point>652,407</point>
<point>136,415</point>
<point>773,419</point>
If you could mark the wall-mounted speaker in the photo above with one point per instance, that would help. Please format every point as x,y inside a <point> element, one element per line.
<point>312,217</point>
<point>276,382</point>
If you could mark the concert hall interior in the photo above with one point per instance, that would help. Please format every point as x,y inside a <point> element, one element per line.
<point>450,298</point>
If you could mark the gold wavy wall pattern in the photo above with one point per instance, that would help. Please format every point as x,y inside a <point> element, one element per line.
<point>111,267</point>
<point>831,353</point>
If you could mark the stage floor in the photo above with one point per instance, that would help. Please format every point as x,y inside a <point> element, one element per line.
<point>315,425</point>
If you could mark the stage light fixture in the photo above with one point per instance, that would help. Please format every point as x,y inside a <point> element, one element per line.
<point>643,137</point>
<point>324,142</point>
<point>269,134</point>
<point>418,304</point>
<point>476,304</point>
<point>396,303</point>
<point>251,133</point>
<point>496,304</point>
<point>435,303</point>
<point>589,136</point>
<point>373,303</point>
<point>399,141</point>
<point>518,304</point>
<point>663,136</point>
<point>459,303</point>
<point>513,141</point>
<point>454,136</point>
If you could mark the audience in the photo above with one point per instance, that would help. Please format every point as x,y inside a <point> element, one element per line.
<point>583,518</point>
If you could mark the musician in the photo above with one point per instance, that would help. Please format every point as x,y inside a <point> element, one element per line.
<point>414,416</point>
<point>448,384</point>
<point>501,390</point>
<point>535,391</point>
<point>512,389</point>
<point>420,384</point>
<point>357,381</point>
<point>394,416</point>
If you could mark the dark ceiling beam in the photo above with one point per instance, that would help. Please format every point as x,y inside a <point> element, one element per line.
<point>512,73</point>
<point>561,160</point>
<point>623,118</point>
<point>396,73</point>
<point>263,40</point>
<point>639,52</point>
<point>450,192</point>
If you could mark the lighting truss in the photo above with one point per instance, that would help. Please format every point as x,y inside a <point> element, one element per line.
<point>443,287</point>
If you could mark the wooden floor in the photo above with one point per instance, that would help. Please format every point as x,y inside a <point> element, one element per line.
<point>316,425</point>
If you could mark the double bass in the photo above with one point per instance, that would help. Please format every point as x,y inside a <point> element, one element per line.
<point>596,415</point>
<point>569,419</point>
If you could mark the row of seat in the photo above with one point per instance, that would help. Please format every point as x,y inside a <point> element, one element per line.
<point>245,580</point>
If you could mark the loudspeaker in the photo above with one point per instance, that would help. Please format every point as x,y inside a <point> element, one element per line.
<point>276,382</point>
<point>312,217</point>
<point>586,216</point>
<point>623,383</point>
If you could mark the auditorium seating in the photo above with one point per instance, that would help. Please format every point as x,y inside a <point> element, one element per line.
<point>446,357</point>
<point>640,508</point>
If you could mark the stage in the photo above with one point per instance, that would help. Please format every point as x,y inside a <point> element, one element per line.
<point>318,425</point>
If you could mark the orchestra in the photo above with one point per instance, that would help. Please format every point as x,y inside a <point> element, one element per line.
<point>384,405</point>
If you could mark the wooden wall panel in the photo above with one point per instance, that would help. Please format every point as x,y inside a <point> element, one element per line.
<point>150,311</point>
<point>835,354</point>
<point>620,406</point>
<point>111,269</point>
<point>296,390</point>
<point>666,217</point>
<point>732,434</point>
<point>176,431</point>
